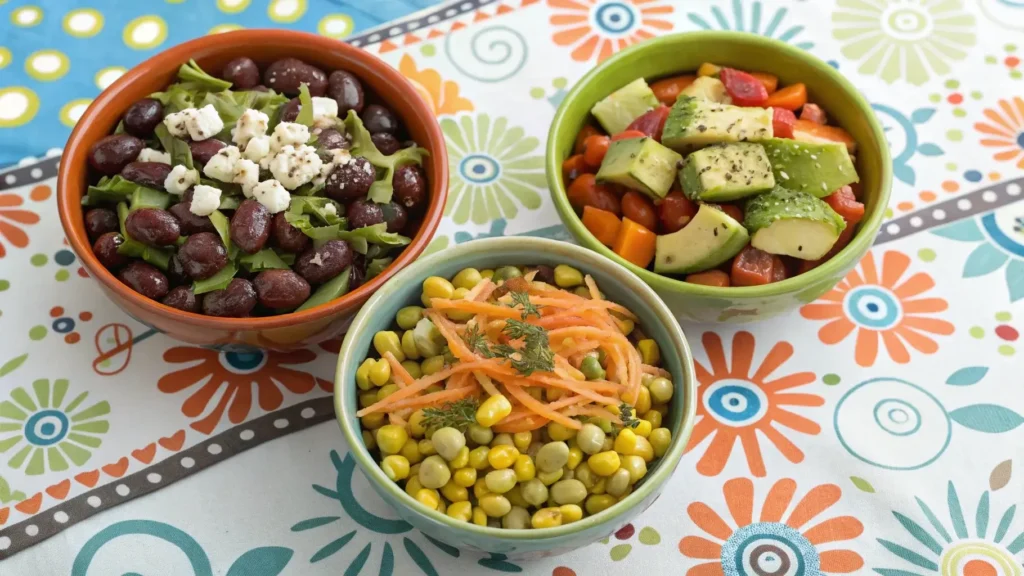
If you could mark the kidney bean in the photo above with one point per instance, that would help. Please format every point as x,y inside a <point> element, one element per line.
<point>395,216</point>
<point>183,298</point>
<point>350,180</point>
<point>242,73</point>
<point>346,90</point>
<point>363,212</point>
<point>410,186</point>
<point>545,274</point>
<point>176,272</point>
<point>288,237</point>
<point>151,174</point>
<point>281,289</point>
<point>378,119</point>
<point>105,249</point>
<point>152,226</point>
<point>318,265</point>
<point>287,74</point>
<point>112,153</point>
<point>331,139</point>
<point>203,150</point>
<point>143,117</point>
<point>290,110</point>
<point>236,300</point>
<point>386,143</point>
<point>356,276</point>
<point>250,226</point>
<point>189,222</point>
<point>202,255</point>
<point>99,221</point>
<point>145,279</point>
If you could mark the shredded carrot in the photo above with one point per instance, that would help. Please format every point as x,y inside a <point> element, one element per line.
<point>526,424</point>
<point>398,372</point>
<point>541,408</point>
<point>396,419</point>
<point>648,369</point>
<point>486,384</point>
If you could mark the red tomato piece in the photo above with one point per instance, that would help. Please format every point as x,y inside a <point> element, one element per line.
<point>846,205</point>
<point>586,132</point>
<point>675,211</point>
<point>779,271</point>
<point>627,134</point>
<point>594,149</point>
<point>752,267</point>
<point>734,211</point>
<point>639,209</point>
<point>585,191</point>
<point>813,113</point>
<point>651,123</point>
<point>782,122</point>
<point>743,88</point>
<point>573,167</point>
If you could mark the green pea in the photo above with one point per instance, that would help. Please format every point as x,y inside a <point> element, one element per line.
<point>408,317</point>
<point>602,356</point>
<point>535,492</point>
<point>516,519</point>
<point>552,456</point>
<point>661,390</point>
<point>500,481</point>
<point>582,291</point>
<point>432,365</point>
<point>506,272</point>
<point>480,434</point>
<point>434,472</point>
<point>567,276</point>
<point>590,438</point>
<point>591,368</point>
<point>413,368</point>
<point>584,474</point>
<point>569,491</point>
<point>448,442</point>
<point>502,440</point>
<point>618,483</point>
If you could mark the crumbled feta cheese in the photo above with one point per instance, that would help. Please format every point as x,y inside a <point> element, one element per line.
<point>180,179</point>
<point>177,122</point>
<point>330,209</point>
<point>325,110</point>
<point>250,124</point>
<point>317,260</point>
<point>257,148</point>
<point>271,194</point>
<point>288,134</point>
<point>247,173</point>
<point>204,123</point>
<point>222,165</point>
<point>339,157</point>
<point>150,155</point>
<point>294,167</point>
<point>205,200</point>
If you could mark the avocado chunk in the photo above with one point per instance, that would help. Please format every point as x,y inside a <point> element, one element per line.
<point>620,108</point>
<point>712,237</point>
<point>792,223</point>
<point>641,164</point>
<point>813,167</point>
<point>724,172</point>
<point>693,123</point>
<point>707,88</point>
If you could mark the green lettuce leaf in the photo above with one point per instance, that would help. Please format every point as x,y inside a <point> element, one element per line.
<point>315,206</point>
<point>176,147</point>
<point>115,189</point>
<point>305,116</point>
<point>376,234</point>
<point>223,226</point>
<point>375,267</point>
<point>362,145</point>
<point>144,197</point>
<point>265,259</point>
<point>218,281</point>
<point>192,73</point>
<point>334,288</point>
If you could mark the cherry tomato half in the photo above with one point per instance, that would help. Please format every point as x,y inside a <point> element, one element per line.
<point>651,123</point>
<point>675,212</point>
<point>743,88</point>
<point>639,209</point>
<point>585,191</point>
<point>594,149</point>
<point>627,134</point>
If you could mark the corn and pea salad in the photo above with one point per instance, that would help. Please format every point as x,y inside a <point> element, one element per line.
<point>515,398</point>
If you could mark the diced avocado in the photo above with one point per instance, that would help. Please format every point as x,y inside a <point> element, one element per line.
<point>792,223</point>
<point>712,237</point>
<point>707,88</point>
<point>724,172</point>
<point>693,123</point>
<point>626,104</point>
<point>813,167</point>
<point>641,164</point>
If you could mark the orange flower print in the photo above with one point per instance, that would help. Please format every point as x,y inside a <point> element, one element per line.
<point>10,218</point>
<point>733,403</point>
<point>771,545</point>
<point>1006,131</point>
<point>603,27</point>
<point>236,373</point>
<point>881,304</point>
<point>442,95</point>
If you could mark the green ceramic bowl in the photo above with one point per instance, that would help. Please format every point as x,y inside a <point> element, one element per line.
<point>680,53</point>
<point>619,285</point>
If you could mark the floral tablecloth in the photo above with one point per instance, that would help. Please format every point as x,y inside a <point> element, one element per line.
<point>879,429</point>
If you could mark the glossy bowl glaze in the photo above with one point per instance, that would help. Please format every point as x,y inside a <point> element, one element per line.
<point>619,285</point>
<point>680,53</point>
<point>285,331</point>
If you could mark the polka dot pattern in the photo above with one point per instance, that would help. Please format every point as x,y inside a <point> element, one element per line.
<point>27,16</point>
<point>83,23</point>
<point>47,65</point>
<point>145,32</point>
<point>18,105</point>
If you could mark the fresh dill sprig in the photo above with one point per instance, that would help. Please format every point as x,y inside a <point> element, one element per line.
<point>459,414</point>
<point>534,356</point>
<point>522,298</point>
<point>477,341</point>
<point>626,415</point>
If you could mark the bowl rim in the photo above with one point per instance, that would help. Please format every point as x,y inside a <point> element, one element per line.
<point>859,244</point>
<point>348,358</point>
<point>77,147</point>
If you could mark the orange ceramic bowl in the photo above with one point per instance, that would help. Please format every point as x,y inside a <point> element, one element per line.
<point>286,331</point>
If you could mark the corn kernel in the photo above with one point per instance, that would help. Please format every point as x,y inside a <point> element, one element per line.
<point>363,374</point>
<point>522,440</point>
<point>409,348</point>
<point>461,459</point>
<point>478,457</point>
<point>575,457</point>
<point>479,516</point>
<point>412,485</point>
<point>367,399</point>
<point>432,365</point>
<point>654,417</point>
<point>465,477</point>
<point>643,429</point>
<point>493,410</point>
<point>501,457</point>
<point>560,433</point>
<point>427,447</point>
<point>462,510</point>
<point>636,467</point>
<point>480,488</point>
<point>570,513</point>
<point>643,401</point>
<point>660,439</point>
<point>626,441</point>
<point>411,451</point>
<point>416,429</point>
<point>455,493</point>
<point>391,438</point>
<point>649,352</point>
<point>524,468</point>
<point>380,372</point>
<point>644,449</point>
<point>546,518</point>
<point>604,463</point>
<point>388,341</point>
<point>495,505</point>
<point>369,440</point>
<point>395,467</point>
<point>467,278</point>
<point>428,498</point>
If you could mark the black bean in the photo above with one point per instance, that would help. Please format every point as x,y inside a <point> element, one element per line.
<point>545,274</point>
<point>153,227</point>
<point>395,216</point>
<point>151,174</point>
<point>183,298</point>
<point>99,221</point>
<point>363,212</point>
<point>112,153</point>
<point>386,143</point>
<point>331,139</point>
<point>250,226</point>
<point>176,272</point>
<point>346,90</point>
<point>356,276</point>
<point>203,150</point>
<point>281,289</point>
<point>143,117</point>
<point>290,110</point>
<point>286,75</point>
<point>410,186</point>
<point>191,223</point>
<point>145,279</point>
<point>202,255</point>
<point>236,300</point>
<point>318,265</point>
<point>288,237</point>
<point>242,73</point>
<point>378,119</point>
<point>105,249</point>
<point>350,180</point>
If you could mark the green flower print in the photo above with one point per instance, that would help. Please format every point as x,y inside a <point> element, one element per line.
<point>493,169</point>
<point>41,428</point>
<point>909,39</point>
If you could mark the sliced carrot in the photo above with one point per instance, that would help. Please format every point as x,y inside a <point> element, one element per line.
<point>602,224</point>
<point>770,81</point>
<point>709,278</point>
<point>667,90</point>
<point>528,423</point>
<point>791,97</point>
<point>635,243</point>
<point>400,374</point>
<point>540,408</point>
<point>436,398</point>
<point>807,131</point>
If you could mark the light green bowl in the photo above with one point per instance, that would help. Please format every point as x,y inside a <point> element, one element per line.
<point>683,53</point>
<point>618,285</point>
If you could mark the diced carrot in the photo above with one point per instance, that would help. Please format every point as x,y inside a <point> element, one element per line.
<point>813,113</point>
<point>791,97</point>
<point>708,69</point>
<point>573,167</point>
<point>770,81</point>
<point>667,90</point>
<point>587,131</point>
<point>779,272</point>
<point>734,211</point>
<point>627,134</point>
<point>602,224</point>
<point>846,205</point>
<point>635,243</point>
<point>752,267</point>
<point>709,278</point>
<point>807,131</point>
<point>594,149</point>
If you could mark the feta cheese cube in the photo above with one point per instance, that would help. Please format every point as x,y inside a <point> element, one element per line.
<point>222,165</point>
<point>205,200</point>
<point>180,179</point>
<point>294,167</point>
<point>339,157</point>
<point>288,134</point>
<point>151,155</point>
<point>330,209</point>
<point>272,194</point>
<point>204,123</point>
<point>177,123</point>
<point>250,124</point>
<point>247,173</point>
<point>257,148</point>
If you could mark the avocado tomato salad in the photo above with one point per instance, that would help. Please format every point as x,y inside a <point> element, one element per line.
<point>722,177</point>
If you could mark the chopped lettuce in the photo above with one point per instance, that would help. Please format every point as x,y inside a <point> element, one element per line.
<point>231,105</point>
<point>115,189</point>
<point>265,259</point>
<point>176,147</point>
<point>334,288</point>
<point>144,197</point>
<point>192,73</point>
<point>218,281</point>
<point>305,116</point>
<point>375,267</point>
<point>223,226</point>
<point>360,238</point>
<point>362,145</point>
<point>316,206</point>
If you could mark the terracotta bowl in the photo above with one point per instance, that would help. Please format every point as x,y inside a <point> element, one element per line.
<point>286,331</point>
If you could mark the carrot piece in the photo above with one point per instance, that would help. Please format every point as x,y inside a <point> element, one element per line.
<point>807,131</point>
<point>667,90</point>
<point>627,134</point>
<point>526,424</point>
<point>587,131</point>
<point>401,375</point>
<point>540,408</point>
<point>846,205</point>
<point>574,167</point>
<point>709,278</point>
<point>602,224</point>
<point>770,81</point>
<point>752,267</point>
<point>635,243</point>
<point>435,398</point>
<point>791,97</point>
<point>485,382</point>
